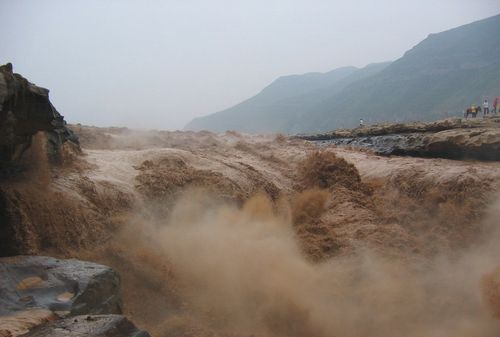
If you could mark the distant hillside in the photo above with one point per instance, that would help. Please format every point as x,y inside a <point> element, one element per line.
<point>435,79</point>
<point>274,107</point>
<point>281,105</point>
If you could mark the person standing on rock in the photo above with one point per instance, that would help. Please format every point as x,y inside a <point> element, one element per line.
<point>361,123</point>
<point>496,105</point>
<point>486,107</point>
<point>473,110</point>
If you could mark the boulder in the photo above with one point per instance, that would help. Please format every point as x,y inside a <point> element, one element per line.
<point>38,289</point>
<point>25,109</point>
<point>482,143</point>
<point>90,326</point>
<point>61,286</point>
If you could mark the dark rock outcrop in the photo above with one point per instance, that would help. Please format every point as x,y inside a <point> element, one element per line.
<point>25,109</point>
<point>98,326</point>
<point>451,138</point>
<point>405,128</point>
<point>35,290</point>
<point>63,286</point>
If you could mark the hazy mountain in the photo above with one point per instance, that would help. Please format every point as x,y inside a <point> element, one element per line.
<point>436,78</point>
<point>274,107</point>
<point>281,105</point>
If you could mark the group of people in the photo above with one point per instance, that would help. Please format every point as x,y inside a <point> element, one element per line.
<point>473,110</point>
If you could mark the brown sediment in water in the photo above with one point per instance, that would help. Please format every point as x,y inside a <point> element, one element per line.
<point>234,235</point>
<point>491,291</point>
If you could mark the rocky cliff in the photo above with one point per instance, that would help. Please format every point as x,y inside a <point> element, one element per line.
<point>25,109</point>
<point>451,138</point>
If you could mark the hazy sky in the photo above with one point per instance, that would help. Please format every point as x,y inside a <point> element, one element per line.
<point>158,64</point>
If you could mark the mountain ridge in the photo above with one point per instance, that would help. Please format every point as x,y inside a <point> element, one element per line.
<point>271,96</point>
<point>435,79</point>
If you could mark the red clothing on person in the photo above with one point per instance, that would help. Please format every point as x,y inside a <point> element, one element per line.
<point>496,103</point>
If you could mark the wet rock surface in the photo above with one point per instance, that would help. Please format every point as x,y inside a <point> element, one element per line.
<point>68,286</point>
<point>99,325</point>
<point>25,109</point>
<point>453,138</point>
<point>397,144</point>
<point>37,289</point>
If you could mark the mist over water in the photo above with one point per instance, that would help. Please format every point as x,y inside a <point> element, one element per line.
<point>200,257</point>
<point>234,227</point>
<point>242,270</point>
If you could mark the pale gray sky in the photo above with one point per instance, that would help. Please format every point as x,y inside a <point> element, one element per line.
<point>158,64</point>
